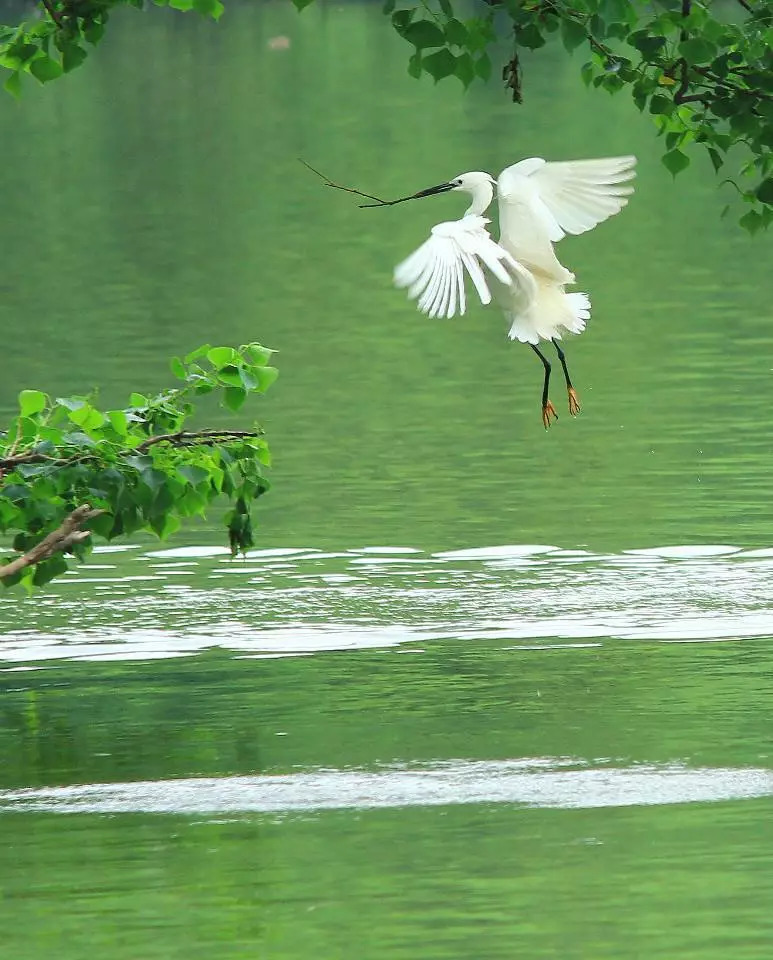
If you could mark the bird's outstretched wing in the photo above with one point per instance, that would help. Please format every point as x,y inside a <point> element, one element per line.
<point>434,274</point>
<point>567,197</point>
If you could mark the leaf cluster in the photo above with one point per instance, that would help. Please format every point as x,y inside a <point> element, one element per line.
<point>702,70</point>
<point>141,465</point>
<point>59,41</point>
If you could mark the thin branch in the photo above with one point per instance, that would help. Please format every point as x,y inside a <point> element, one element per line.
<point>747,6</point>
<point>58,541</point>
<point>180,439</point>
<point>199,437</point>
<point>55,15</point>
<point>681,95</point>
<point>337,186</point>
<point>10,463</point>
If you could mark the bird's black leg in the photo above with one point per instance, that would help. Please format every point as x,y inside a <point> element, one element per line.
<point>548,410</point>
<point>574,400</point>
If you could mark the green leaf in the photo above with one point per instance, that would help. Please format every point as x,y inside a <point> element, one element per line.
<point>193,474</point>
<point>647,44</point>
<point>45,69</point>
<point>198,353</point>
<point>178,368</point>
<point>751,221</point>
<point>697,50</point>
<point>456,33</point>
<point>765,191</point>
<point>445,6</point>
<point>72,56</point>
<point>230,375</point>
<point>93,32</point>
<point>572,33</point>
<point>257,353</point>
<point>675,161</point>
<point>118,421</point>
<point>13,84</point>
<point>483,67</point>
<point>716,158</point>
<point>529,37</point>
<point>414,65</point>
<point>209,8</point>
<point>87,417</point>
<point>266,376</point>
<point>301,4</point>
<point>424,33</point>
<point>165,524</point>
<point>46,570</point>
<point>439,65</point>
<point>31,402</point>
<point>401,20</point>
<point>388,7</point>
<point>464,69</point>
<point>234,397</point>
<point>221,356</point>
<point>661,106</point>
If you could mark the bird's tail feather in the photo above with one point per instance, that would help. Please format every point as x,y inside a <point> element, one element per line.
<point>551,314</point>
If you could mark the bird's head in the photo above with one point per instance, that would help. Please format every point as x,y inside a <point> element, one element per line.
<point>478,184</point>
<point>473,183</point>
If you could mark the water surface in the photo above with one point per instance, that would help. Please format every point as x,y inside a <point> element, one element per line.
<point>479,691</point>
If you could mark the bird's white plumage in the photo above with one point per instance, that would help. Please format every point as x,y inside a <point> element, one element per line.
<point>539,203</point>
<point>576,194</point>
<point>434,274</point>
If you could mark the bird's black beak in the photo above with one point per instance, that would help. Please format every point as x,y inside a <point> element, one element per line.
<point>429,192</point>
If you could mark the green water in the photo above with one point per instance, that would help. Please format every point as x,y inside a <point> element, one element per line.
<point>438,583</point>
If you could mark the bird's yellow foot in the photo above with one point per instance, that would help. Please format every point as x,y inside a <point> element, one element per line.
<point>574,402</point>
<point>548,411</point>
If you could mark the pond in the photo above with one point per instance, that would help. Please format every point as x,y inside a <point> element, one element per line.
<point>480,690</point>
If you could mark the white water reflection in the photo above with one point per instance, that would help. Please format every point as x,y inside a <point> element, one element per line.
<point>181,601</point>
<point>532,782</point>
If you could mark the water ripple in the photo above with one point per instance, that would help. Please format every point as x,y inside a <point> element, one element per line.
<point>180,601</point>
<point>531,782</point>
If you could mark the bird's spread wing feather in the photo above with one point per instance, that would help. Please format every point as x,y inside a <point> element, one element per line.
<point>567,197</point>
<point>434,274</point>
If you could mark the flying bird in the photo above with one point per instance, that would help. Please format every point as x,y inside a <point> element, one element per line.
<point>539,204</point>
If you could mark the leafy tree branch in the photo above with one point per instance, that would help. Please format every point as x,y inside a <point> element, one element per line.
<point>62,540</point>
<point>703,69</point>
<point>70,471</point>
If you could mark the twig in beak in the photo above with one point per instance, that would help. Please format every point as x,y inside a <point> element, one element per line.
<point>337,186</point>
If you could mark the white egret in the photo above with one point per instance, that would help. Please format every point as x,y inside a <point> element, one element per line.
<point>539,203</point>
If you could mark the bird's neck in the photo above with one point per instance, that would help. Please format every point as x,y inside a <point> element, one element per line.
<point>482,196</point>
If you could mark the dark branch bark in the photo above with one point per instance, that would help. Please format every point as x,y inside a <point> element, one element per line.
<point>58,541</point>
<point>681,95</point>
<point>181,439</point>
<point>55,15</point>
<point>185,439</point>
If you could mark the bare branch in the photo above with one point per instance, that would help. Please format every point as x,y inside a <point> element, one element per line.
<point>337,186</point>
<point>58,541</point>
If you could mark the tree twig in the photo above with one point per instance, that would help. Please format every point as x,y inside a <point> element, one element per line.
<point>180,439</point>
<point>55,15</point>
<point>337,186</point>
<point>60,540</point>
<point>681,95</point>
<point>188,439</point>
